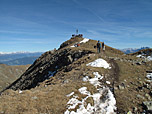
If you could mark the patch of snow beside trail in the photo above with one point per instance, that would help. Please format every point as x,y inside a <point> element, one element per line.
<point>99,63</point>
<point>73,102</point>
<point>84,40</point>
<point>148,58</point>
<point>140,56</point>
<point>85,79</point>
<point>101,106</point>
<point>84,91</point>
<point>73,46</point>
<point>107,82</point>
<point>106,106</point>
<point>95,81</point>
<point>72,93</point>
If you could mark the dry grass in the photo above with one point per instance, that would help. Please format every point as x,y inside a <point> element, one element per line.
<point>51,99</point>
<point>9,74</point>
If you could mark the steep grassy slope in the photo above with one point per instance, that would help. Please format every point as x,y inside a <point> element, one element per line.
<point>8,74</point>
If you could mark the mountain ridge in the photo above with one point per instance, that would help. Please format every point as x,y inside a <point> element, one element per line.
<point>18,52</point>
<point>133,50</point>
<point>67,72</point>
<point>10,57</point>
<point>21,61</point>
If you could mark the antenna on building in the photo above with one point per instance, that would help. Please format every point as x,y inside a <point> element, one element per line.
<point>77,32</point>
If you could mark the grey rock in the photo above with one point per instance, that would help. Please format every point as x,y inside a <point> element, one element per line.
<point>140,82</point>
<point>115,88</point>
<point>148,96</point>
<point>135,109</point>
<point>148,105</point>
<point>121,60</point>
<point>70,59</point>
<point>138,63</point>
<point>66,81</point>
<point>149,86</point>
<point>34,98</point>
<point>141,97</point>
<point>122,86</point>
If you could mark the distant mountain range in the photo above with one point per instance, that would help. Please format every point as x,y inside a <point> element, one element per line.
<point>19,58</point>
<point>133,50</point>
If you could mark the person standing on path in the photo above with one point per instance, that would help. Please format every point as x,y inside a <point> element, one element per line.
<point>103,46</point>
<point>98,46</point>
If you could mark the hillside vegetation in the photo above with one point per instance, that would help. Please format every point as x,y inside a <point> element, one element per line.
<point>79,80</point>
<point>9,74</point>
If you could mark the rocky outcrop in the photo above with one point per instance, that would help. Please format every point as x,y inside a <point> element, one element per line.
<point>45,66</point>
<point>148,106</point>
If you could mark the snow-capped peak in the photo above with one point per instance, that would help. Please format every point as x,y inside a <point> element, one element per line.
<point>19,52</point>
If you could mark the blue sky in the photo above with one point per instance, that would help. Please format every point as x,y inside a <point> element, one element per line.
<point>41,25</point>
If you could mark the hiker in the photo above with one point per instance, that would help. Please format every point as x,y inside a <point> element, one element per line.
<point>103,46</point>
<point>78,44</point>
<point>98,46</point>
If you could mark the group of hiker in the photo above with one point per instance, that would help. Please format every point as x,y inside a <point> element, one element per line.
<point>99,46</point>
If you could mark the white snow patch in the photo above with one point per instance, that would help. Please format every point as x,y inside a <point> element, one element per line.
<point>84,40</point>
<point>20,91</point>
<point>84,91</point>
<point>106,105</point>
<point>73,102</point>
<point>148,58</point>
<point>107,82</point>
<point>99,63</point>
<point>72,93</point>
<point>97,75</point>
<point>140,56</point>
<point>95,81</point>
<point>85,79</point>
<point>149,76</point>
<point>73,46</point>
<point>101,106</point>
